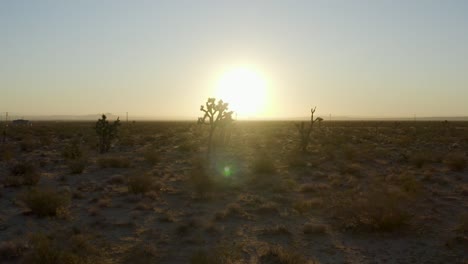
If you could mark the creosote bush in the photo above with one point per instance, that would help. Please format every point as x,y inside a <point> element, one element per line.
<point>44,201</point>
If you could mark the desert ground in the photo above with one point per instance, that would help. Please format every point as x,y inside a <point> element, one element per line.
<point>363,192</point>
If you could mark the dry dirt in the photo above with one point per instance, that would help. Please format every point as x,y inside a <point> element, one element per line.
<point>365,192</point>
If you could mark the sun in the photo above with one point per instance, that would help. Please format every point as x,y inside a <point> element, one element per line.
<point>244,89</point>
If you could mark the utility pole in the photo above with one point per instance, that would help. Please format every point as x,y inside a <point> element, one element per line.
<point>127,117</point>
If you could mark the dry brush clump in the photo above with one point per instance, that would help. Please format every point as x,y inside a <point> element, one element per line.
<point>380,209</point>
<point>456,161</point>
<point>45,201</point>
<point>64,248</point>
<point>140,183</point>
<point>23,173</point>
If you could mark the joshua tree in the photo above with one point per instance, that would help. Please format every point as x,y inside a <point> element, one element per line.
<point>106,132</point>
<point>306,131</point>
<point>216,115</point>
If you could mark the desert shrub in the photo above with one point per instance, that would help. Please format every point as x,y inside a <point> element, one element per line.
<point>281,255</point>
<point>462,225</point>
<point>77,166</point>
<point>314,228</point>
<point>141,254</point>
<point>201,179</point>
<point>223,253</point>
<point>106,132</point>
<point>140,183</point>
<point>44,201</point>
<point>263,164</point>
<point>408,183</point>
<point>114,162</point>
<point>6,152</point>
<point>420,158</point>
<point>379,209</point>
<point>151,156</point>
<point>10,250</point>
<point>73,151</point>
<point>456,161</point>
<point>314,187</point>
<point>63,248</point>
<point>27,144</point>
<point>26,173</point>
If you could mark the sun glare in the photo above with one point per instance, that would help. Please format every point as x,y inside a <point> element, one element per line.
<point>245,91</point>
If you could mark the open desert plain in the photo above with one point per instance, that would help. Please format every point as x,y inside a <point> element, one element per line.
<point>233,132</point>
<point>362,192</point>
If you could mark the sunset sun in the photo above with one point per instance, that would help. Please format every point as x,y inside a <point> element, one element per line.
<point>244,89</point>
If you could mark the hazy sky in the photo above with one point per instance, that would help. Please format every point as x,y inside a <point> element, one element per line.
<point>162,58</point>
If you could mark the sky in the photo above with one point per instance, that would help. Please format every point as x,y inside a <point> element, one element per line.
<point>162,59</point>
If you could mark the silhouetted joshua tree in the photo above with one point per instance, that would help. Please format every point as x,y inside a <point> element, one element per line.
<point>106,132</point>
<point>216,115</point>
<point>306,131</point>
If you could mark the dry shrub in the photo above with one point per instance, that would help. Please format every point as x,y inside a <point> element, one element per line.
<point>407,183</point>
<point>281,255</point>
<point>151,156</point>
<point>114,162</point>
<point>201,179</point>
<point>456,161</point>
<point>63,248</point>
<point>44,201</point>
<point>263,164</point>
<point>10,250</point>
<point>140,183</point>
<point>314,187</point>
<point>26,172</point>
<point>314,229</point>
<point>77,166</point>
<point>418,159</point>
<point>378,209</point>
<point>6,152</point>
<point>141,254</point>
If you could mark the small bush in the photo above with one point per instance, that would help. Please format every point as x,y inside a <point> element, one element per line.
<point>140,183</point>
<point>151,156</point>
<point>201,180</point>
<point>114,162</point>
<point>282,255</point>
<point>44,201</point>
<point>63,248</point>
<point>141,254</point>
<point>456,161</point>
<point>73,151</point>
<point>6,152</point>
<point>263,164</point>
<point>26,172</point>
<point>313,228</point>
<point>77,166</point>
<point>380,209</point>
